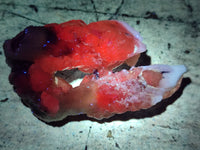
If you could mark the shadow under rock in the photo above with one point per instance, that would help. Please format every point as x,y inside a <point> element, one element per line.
<point>144,60</point>
<point>144,113</point>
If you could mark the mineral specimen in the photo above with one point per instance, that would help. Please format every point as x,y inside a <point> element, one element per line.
<point>38,53</point>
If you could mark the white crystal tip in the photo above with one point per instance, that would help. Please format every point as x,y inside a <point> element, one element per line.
<point>171,75</point>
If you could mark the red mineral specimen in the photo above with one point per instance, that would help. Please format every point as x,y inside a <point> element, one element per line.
<point>96,49</point>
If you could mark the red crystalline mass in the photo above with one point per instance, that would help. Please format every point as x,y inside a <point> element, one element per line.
<point>109,95</point>
<point>37,53</point>
<point>39,79</point>
<point>50,102</point>
<point>89,47</point>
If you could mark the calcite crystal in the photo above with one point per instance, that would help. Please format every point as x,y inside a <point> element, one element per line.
<point>38,53</point>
